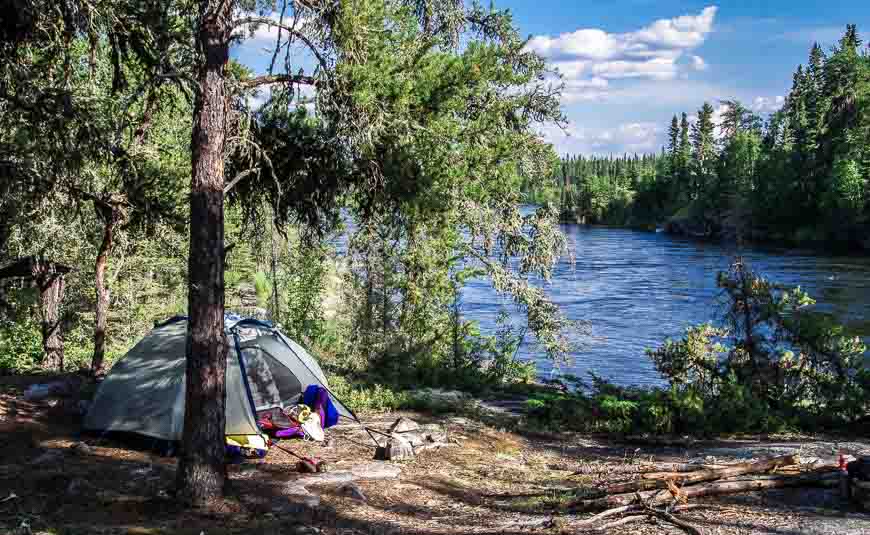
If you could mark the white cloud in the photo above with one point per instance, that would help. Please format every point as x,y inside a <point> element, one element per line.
<point>662,68</point>
<point>640,137</point>
<point>698,63</point>
<point>575,90</point>
<point>266,35</point>
<point>687,31</point>
<point>305,96</point>
<point>259,97</point>
<point>767,104</point>
<point>653,53</point>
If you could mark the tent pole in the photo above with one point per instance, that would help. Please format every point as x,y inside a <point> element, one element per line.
<point>245,376</point>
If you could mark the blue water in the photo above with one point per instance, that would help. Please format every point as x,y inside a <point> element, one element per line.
<point>635,289</point>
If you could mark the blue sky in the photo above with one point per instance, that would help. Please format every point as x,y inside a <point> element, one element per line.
<point>629,65</point>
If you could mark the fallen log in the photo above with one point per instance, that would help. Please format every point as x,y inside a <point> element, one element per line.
<point>702,475</point>
<point>661,497</point>
<point>794,469</point>
<point>664,471</point>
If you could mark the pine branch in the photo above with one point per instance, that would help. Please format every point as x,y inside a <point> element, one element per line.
<point>289,29</point>
<point>279,79</point>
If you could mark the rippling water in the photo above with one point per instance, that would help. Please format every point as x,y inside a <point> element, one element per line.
<point>637,289</point>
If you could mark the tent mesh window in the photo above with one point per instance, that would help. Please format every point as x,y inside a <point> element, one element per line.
<point>272,384</point>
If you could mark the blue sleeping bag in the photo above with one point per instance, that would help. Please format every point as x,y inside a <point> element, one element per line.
<point>317,397</point>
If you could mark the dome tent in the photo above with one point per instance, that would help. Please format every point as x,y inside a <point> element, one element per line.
<point>144,391</point>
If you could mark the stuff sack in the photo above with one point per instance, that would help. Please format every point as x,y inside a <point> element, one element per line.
<point>317,397</point>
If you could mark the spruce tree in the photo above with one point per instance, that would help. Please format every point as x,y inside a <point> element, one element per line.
<point>703,149</point>
<point>685,151</point>
<point>674,148</point>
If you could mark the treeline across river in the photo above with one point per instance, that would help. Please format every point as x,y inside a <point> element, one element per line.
<point>799,175</point>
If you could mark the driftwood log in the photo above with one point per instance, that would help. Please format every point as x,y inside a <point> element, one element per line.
<point>647,482</point>
<point>663,471</point>
<point>717,488</point>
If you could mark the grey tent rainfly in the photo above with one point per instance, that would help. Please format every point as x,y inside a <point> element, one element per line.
<point>144,392</point>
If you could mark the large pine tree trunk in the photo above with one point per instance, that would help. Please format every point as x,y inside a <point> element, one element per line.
<point>50,295</point>
<point>102,308</point>
<point>201,470</point>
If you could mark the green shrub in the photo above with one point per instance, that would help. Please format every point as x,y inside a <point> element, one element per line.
<point>20,346</point>
<point>774,365</point>
<point>375,397</point>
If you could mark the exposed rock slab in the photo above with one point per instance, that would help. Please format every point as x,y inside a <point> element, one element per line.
<point>403,425</point>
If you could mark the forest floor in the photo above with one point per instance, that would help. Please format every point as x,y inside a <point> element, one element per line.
<point>487,480</point>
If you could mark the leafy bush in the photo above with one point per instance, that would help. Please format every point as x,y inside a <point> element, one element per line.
<point>376,397</point>
<point>774,364</point>
<point>20,345</point>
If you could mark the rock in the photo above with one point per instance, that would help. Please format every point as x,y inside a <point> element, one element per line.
<point>435,446</point>
<point>351,490</point>
<point>464,422</point>
<point>376,470</point>
<point>328,478</point>
<point>415,439</point>
<point>403,425</point>
<point>397,449</point>
<point>143,471</point>
<point>428,434</point>
<point>439,396</point>
<point>47,458</point>
<point>434,433</point>
<point>297,495</point>
<point>78,486</point>
<point>80,448</point>
<point>304,530</point>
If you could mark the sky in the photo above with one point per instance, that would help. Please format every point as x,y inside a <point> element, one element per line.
<point>629,65</point>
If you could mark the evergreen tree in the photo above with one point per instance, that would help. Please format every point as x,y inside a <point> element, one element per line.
<point>674,148</point>
<point>685,155</point>
<point>703,150</point>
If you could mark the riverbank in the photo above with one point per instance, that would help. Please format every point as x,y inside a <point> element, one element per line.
<point>854,242</point>
<point>488,480</point>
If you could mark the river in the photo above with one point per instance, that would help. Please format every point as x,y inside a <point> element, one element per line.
<point>638,288</point>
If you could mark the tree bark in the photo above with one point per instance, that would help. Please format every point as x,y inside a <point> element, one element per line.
<point>201,470</point>
<point>102,306</point>
<point>276,308</point>
<point>51,288</point>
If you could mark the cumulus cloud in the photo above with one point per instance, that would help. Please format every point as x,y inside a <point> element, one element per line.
<point>305,96</point>
<point>653,52</point>
<point>640,137</point>
<point>767,104</point>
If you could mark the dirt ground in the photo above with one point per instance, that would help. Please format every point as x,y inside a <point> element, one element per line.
<point>486,481</point>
